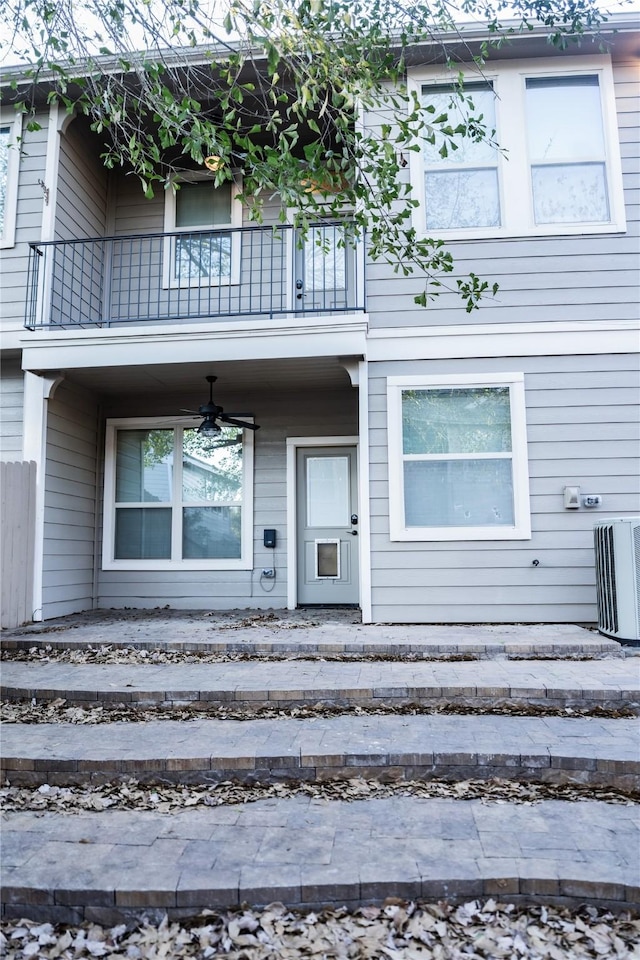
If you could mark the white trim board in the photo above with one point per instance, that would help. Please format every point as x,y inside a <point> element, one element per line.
<point>503,340</point>
<point>113,348</point>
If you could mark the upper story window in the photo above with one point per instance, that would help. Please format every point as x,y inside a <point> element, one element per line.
<point>203,253</point>
<point>462,188</point>
<point>10,130</point>
<point>567,150</point>
<point>555,169</point>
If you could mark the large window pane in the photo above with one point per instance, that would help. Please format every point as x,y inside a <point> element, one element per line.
<point>469,151</point>
<point>474,420</point>
<point>203,205</point>
<point>143,533</point>
<point>564,118</point>
<point>199,257</point>
<point>572,193</point>
<point>211,533</point>
<point>144,466</point>
<point>210,471</point>
<point>458,493</point>
<point>462,198</point>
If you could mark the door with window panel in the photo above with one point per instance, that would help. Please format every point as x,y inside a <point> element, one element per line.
<point>325,269</point>
<point>327,525</point>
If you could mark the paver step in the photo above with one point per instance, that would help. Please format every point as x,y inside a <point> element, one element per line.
<point>612,683</point>
<point>307,852</point>
<point>549,749</point>
<point>202,635</point>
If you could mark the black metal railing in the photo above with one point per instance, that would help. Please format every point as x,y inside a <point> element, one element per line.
<point>184,276</point>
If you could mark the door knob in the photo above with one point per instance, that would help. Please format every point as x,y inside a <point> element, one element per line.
<point>354,533</point>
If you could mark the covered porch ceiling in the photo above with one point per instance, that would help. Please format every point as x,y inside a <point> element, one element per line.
<point>237,377</point>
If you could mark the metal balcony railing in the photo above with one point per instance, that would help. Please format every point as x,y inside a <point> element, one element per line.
<point>190,276</point>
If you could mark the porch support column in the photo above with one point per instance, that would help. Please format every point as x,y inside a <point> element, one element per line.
<point>363,493</point>
<point>38,390</point>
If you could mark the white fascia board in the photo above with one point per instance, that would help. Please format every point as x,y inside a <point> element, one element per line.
<point>70,350</point>
<point>561,338</point>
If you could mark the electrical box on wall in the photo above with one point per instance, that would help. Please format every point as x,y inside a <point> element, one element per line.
<point>572,498</point>
<point>269,538</point>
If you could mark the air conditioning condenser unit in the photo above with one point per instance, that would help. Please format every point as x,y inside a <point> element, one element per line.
<point>617,549</point>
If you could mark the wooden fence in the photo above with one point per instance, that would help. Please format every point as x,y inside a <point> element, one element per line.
<point>17,538</point>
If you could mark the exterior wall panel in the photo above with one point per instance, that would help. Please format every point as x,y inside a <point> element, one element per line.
<point>70,503</point>
<point>541,279</point>
<point>298,414</point>
<point>82,187</point>
<point>11,400</point>
<point>30,204</point>
<point>595,446</point>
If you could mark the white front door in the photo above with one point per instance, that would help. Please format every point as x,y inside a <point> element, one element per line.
<point>327,525</point>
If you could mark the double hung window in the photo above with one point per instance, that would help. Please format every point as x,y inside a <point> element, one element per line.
<point>204,249</point>
<point>176,499</point>
<point>549,163</point>
<point>462,188</point>
<point>458,458</point>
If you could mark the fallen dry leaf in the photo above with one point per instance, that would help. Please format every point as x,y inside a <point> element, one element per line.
<point>432,932</point>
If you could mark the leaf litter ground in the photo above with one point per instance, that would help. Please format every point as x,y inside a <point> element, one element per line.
<point>396,930</point>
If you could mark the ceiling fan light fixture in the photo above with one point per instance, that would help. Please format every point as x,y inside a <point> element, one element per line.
<point>209,427</point>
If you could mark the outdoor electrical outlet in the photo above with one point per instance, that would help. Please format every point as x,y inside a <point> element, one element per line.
<point>269,572</point>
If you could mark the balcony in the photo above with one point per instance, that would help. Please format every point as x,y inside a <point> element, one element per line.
<point>190,276</point>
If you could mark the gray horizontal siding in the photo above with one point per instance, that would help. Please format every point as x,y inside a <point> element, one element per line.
<point>70,502</point>
<point>14,260</point>
<point>82,186</point>
<point>590,277</point>
<point>583,429</point>
<point>321,413</point>
<point>11,400</point>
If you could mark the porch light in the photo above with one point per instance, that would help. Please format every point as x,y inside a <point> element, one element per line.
<point>209,427</point>
<point>214,163</point>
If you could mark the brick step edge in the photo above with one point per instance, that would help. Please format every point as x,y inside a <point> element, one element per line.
<point>112,906</point>
<point>619,774</point>
<point>606,698</point>
<point>526,649</point>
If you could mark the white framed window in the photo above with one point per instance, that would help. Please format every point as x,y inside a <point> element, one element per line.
<point>10,133</point>
<point>556,169</point>
<point>458,458</point>
<point>174,499</point>
<point>205,250</point>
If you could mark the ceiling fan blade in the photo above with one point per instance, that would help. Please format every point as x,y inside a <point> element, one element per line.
<point>225,418</point>
<point>194,412</point>
<point>215,445</point>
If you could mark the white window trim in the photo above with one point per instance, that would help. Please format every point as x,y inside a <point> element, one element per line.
<point>244,562</point>
<point>169,279</point>
<point>398,530</point>
<point>9,118</point>
<point>508,80</point>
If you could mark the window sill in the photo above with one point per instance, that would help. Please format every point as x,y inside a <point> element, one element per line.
<point>435,534</point>
<point>176,565</point>
<point>555,231</point>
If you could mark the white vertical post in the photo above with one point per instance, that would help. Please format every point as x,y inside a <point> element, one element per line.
<point>38,391</point>
<point>363,493</point>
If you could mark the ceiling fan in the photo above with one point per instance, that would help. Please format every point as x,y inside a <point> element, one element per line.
<point>214,415</point>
